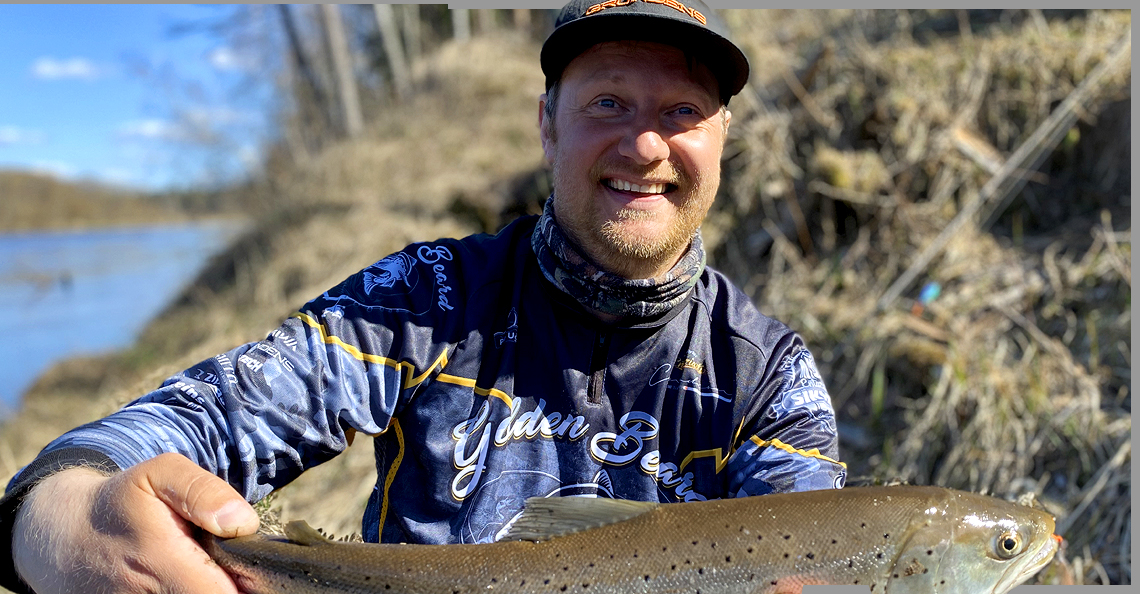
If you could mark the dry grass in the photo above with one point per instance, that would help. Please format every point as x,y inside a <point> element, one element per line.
<point>1017,377</point>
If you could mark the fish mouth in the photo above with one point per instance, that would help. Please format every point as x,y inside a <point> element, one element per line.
<point>1020,572</point>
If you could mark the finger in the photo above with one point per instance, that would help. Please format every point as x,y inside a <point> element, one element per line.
<point>198,496</point>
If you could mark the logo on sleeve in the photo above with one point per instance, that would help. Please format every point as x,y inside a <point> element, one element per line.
<point>394,270</point>
<point>398,283</point>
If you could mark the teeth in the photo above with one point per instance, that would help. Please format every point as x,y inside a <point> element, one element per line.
<point>619,184</point>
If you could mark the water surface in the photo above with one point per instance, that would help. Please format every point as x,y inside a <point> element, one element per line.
<point>66,293</point>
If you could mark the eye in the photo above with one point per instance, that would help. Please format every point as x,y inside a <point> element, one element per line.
<point>1008,545</point>
<point>607,103</point>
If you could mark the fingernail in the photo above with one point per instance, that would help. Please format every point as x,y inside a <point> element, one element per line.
<point>234,515</point>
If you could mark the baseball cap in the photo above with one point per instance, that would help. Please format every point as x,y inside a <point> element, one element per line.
<point>687,24</point>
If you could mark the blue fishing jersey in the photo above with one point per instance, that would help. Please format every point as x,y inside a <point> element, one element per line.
<point>483,385</point>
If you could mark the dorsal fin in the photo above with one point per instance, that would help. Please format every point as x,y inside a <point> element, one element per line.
<point>300,532</point>
<point>544,518</point>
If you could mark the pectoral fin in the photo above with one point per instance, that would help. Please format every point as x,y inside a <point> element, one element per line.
<point>544,518</point>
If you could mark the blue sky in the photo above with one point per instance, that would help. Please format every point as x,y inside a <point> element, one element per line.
<point>114,93</point>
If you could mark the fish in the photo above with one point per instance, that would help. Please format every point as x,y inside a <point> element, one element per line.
<point>892,539</point>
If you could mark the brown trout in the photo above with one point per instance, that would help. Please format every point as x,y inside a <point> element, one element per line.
<point>894,540</point>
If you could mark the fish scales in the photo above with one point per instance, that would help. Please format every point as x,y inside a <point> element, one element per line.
<point>892,539</point>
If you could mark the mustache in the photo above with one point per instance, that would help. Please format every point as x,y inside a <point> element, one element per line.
<point>663,171</point>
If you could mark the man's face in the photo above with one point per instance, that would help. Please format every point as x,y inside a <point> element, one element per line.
<point>635,145</point>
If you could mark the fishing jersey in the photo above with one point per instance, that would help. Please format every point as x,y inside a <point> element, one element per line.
<point>483,385</point>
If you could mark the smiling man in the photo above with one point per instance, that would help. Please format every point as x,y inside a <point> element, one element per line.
<point>588,351</point>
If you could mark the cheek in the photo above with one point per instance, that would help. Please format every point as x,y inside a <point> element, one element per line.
<point>700,153</point>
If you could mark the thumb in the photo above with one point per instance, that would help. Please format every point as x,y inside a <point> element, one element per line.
<point>197,495</point>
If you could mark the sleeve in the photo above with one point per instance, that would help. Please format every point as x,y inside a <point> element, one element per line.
<point>792,443</point>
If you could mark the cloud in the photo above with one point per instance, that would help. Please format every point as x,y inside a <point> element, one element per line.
<point>227,60</point>
<point>47,68</point>
<point>55,168</point>
<point>207,116</point>
<point>12,135</point>
<point>153,129</point>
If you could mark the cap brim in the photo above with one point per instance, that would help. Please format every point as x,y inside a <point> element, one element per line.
<point>720,55</point>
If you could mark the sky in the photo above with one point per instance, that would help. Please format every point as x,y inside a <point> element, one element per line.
<point>128,94</point>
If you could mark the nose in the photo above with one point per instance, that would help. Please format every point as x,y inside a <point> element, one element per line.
<point>643,145</point>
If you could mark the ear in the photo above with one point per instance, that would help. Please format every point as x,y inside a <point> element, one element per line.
<point>545,131</point>
<point>727,121</point>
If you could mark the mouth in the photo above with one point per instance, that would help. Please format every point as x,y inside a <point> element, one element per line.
<point>643,189</point>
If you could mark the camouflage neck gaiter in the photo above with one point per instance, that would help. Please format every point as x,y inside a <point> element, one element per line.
<point>599,290</point>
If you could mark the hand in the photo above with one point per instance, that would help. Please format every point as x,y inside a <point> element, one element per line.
<point>82,531</point>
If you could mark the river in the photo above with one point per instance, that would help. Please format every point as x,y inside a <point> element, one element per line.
<point>67,293</point>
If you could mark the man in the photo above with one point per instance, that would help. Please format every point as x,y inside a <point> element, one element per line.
<point>584,352</point>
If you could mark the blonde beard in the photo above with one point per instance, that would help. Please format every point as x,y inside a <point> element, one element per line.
<point>621,250</point>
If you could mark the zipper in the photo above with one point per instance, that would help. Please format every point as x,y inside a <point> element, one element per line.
<point>596,388</point>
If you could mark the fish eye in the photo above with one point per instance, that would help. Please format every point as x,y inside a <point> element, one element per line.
<point>1008,545</point>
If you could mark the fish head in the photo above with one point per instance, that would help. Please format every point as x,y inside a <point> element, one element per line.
<point>973,544</point>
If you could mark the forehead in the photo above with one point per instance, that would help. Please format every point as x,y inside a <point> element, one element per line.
<point>640,62</point>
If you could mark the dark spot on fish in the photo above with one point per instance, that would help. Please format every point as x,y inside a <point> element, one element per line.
<point>728,558</point>
<point>850,564</point>
<point>663,549</point>
<point>646,577</point>
<point>878,555</point>
<point>673,567</point>
<point>494,580</point>
<point>367,578</point>
<point>833,541</point>
<point>749,550</point>
<point>591,564</point>
<point>929,552</point>
<point>896,576</point>
<point>567,567</point>
<point>635,554</point>
<point>701,570</point>
<point>694,543</point>
<point>563,588</point>
<point>863,525</point>
<point>584,586</point>
<point>787,536</point>
<point>522,583</point>
<point>887,535</point>
<point>785,555</point>
<point>759,537</point>
<point>773,582</point>
<point>810,555</point>
<point>545,582</point>
<point>713,545</point>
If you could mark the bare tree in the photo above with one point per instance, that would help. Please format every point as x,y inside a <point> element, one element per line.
<point>486,17</point>
<point>390,37</point>
<point>522,19</point>
<point>413,36</point>
<point>310,88</point>
<point>342,64</point>
<point>461,23</point>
